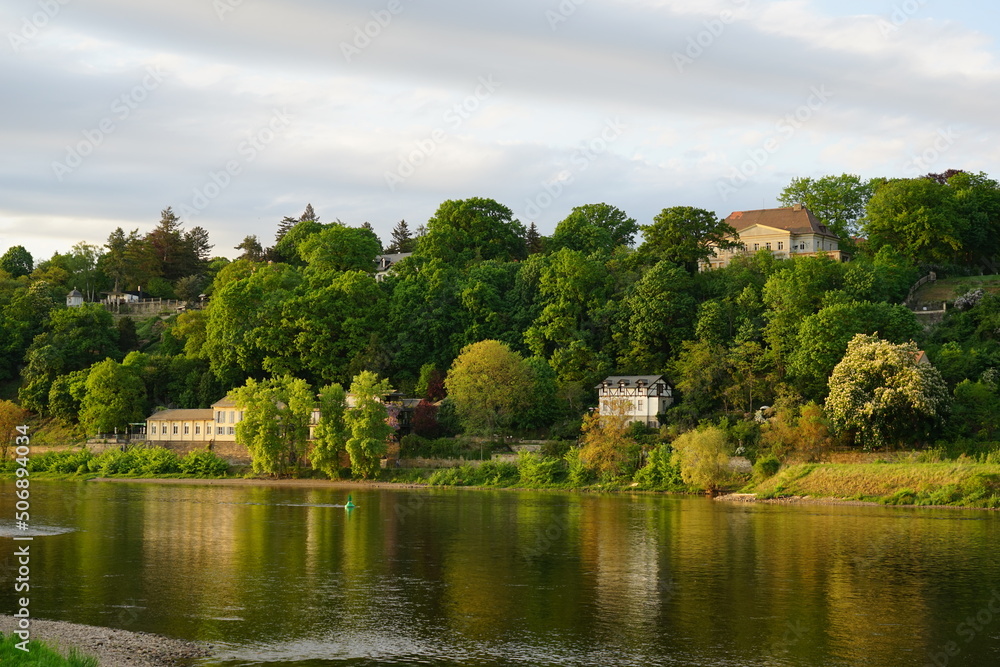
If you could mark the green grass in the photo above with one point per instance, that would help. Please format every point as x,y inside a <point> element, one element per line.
<point>949,289</point>
<point>41,655</point>
<point>963,484</point>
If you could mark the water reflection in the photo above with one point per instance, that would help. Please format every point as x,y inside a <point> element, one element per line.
<point>286,575</point>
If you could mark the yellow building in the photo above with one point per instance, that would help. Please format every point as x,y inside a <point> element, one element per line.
<point>786,232</point>
<point>215,424</point>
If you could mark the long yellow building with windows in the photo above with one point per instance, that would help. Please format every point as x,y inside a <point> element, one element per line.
<point>785,232</point>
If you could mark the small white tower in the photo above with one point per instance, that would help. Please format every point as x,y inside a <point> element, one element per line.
<point>74,299</point>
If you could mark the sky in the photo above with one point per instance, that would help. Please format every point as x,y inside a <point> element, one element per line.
<point>237,113</point>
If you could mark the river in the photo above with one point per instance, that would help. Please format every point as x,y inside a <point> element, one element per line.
<point>279,575</point>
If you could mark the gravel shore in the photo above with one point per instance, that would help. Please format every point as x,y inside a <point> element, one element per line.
<point>113,648</point>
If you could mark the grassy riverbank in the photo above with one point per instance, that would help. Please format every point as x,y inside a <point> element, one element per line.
<point>39,653</point>
<point>955,483</point>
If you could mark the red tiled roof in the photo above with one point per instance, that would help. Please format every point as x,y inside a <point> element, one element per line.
<point>797,220</point>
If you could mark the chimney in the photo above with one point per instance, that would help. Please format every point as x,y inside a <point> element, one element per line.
<point>797,207</point>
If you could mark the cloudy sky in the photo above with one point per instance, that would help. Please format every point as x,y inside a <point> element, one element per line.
<point>239,112</point>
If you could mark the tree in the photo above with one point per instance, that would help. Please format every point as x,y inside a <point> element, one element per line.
<point>17,261</point>
<point>309,214</point>
<point>881,397</point>
<point>917,217</point>
<point>331,431</point>
<point>340,248</point>
<point>402,240</point>
<point>685,235</point>
<point>605,445</point>
<point>594,228</point>
<point>275,424</point>
<point>367,424</point>
<point>656,315</point>
<point>489,384</point>
<point>115,398</point>
<point>703,456</point>
<point>839,202</point>
<point>823,338</point>
<point>430,384</point>
<point>533,240</point>
<point>473,229</point>
<point>12,415</point>
<point>75,338</point>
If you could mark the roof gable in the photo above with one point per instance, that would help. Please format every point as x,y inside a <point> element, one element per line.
<point>794,219</point>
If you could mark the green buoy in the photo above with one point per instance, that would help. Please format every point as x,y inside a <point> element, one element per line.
<point>350,504</point>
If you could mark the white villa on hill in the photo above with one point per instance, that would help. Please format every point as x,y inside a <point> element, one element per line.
<point>786,232</point>
<point>646,395</point>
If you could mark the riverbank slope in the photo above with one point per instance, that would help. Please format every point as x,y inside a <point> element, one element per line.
<point>954,483</point>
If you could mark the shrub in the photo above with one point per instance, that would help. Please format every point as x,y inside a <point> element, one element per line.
<point>203,463</point>
<point>703,456</point>
<point>156,461</point>
<point>498,473</point>
<point>660,473</point>
<point>577,470</point>
<point>766,467</point>
<point>537,470</point>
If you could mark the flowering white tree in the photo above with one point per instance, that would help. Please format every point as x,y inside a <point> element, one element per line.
<point>881,396</point>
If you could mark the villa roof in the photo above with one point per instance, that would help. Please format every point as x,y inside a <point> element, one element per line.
<point>632,380</point>
<point>794,219</point>
<point>183,415</point>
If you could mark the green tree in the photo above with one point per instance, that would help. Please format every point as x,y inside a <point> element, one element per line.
<point>917,217</point>
<point>17,261</point>
<point>489,384</point>
<point>115,398</point>
<point>473,229</point>
<point>594,228</point>
<point>340,248</point>
<point>823,339</point>
<point>367,423</point>
<point>331,431</point>
<point>839,202</point>
<point>252,249</point>
<point>881,397</point>
<point>402,239</point>
<point>275,424</point>
<point>74,339</point>
<point>703,457</point>
<point>685,235</point>
<point>656,315</point>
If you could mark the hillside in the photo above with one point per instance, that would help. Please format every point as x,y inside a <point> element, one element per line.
<point>949,289</point>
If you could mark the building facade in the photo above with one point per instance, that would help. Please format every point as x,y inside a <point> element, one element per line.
<point>645,397</point>
<point>786,232</point>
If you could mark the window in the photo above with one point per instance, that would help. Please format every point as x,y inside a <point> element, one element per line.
<point>220,417</point>
<point>175,429</point>
<point>187,429</point>
<point>781,245</point>
<point>768,245</point>
<point>232,416</point>
<point>152,429</point>
<point>197,429</point>
<point>230,431</point>
<point>756,246</point>
<point>218,430</point>
<point>641,406</point>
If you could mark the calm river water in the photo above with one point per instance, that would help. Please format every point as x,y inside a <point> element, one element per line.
<point>277,575</point>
